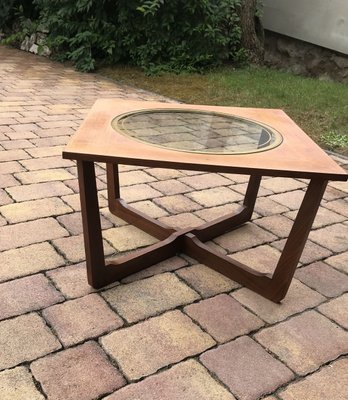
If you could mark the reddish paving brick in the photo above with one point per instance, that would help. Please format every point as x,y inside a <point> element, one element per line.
<point>265,206</point>
<point>246,368</point>
<point>11,167</point>
<point>71,280</point>
<point>333,237</point>
<point>337,310</point>
<point>164,173</point>
<point>77,320</point>
<point>177,204</point>
<point>39,191</point>
<point>17,384</point>
<point>242,188</point>
<point>164,340</point>
<point>298,299</point>
<point>279,185</point>
<point>139,192</point>
<point>4,198</point>
<point>206,181</point>
<point>186,381</point>
<point>29,210</point>
<point>248,235</point>
<point>305,342</point>
<point>339,261</point>
<point>7,180</point>
<point>147,297</point>
<point>339,206</point>
<point>27,294</point>
<point>13,155</point>
<point>215,196</point>
<point>17,144</point>
<point>330,382</point>
<point>73,222</point>
<point>324,217</point>
<point>223,317</point>
<point>171,264</point>
<point>291,200</point>
<point>28,260</point>
<point>80,373</point>
<point>276,224</point>
<point>134,177</point>
<point>35,164</point>
<point>74,250</point>
<point>209,214</point>
<point>332,194</point>
<point>324,279</point>
<point>170,187</point>
<point>25,338</point>
<point>206,281</point>
<point>26,233</point>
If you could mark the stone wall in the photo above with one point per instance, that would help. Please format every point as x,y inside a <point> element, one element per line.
<point>304,58</point>
<point>35,43</point>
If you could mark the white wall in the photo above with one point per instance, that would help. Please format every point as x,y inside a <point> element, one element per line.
<point>322,22</point>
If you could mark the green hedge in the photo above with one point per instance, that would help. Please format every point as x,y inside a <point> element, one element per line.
<point>156,35</point>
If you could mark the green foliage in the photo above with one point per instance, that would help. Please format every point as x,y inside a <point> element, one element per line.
<point>157,35</point>
<point>12,10</point>
<point>334,140</point>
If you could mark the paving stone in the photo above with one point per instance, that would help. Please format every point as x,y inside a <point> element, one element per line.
<point>280,185</point>
<point>171,264</point>
<point>10,167</point>
<point>291,200</point>
<point>265,206</point>
<point>27,294</point>
<point>39,191</point>
<point>182,221</point>
<point>80,373</point>
<point>324,279</point>
<point>237,178</point>
<point>339,206</point>
<point>209,214</point>
<point>45,151</point>
<point>206,281</point>
<point>164,173</point>
<point>312,252</point>
<point>276,224</point>
<point>77,320</point>
<point>17,384</point>
<point>28,260</point>
<point>177,204</point>
<point>171,187</point>
<point>48,175</point>
<point>342,186</point>
<point>73,222</point>
<point>13,155</point>
<point>324,217</point>
<point>139,192</point>
<point>339,261</point>
<point>5,198</point>
<point>332,194</point>
<point>7,180</point>
<point>128,237</point>
<point>206,181</point>
<point>248,235</point>
<point>215,196</point>
<point>164,340</point>
<point>298,299</point>
<point>246,368</point>
<point>242,188</point>
<point>305,342</point>
<point>134,177</point>
<point>35,164</point>
<point>150,209</point>
<point>49,132</point>
<point>17,144</point>
<point>74,250</point>
<point>186,381</point>
<point>147,297</point>
<point>25,338</point>
<point>337,310</point>
<point>330,382</point>
<point>223,317</point>
<point>116,221</point>
<point>29,210</point>
<point>333,237</point>
<point>26,233</point>
<point>262,258</point>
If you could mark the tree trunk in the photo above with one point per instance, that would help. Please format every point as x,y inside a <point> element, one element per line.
<point>250,40</point>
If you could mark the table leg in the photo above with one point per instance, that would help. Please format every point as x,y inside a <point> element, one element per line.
<point>296,241</point>
<point>91,223</point>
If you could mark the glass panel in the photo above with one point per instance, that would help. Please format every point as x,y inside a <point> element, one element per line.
<point>197,131</point>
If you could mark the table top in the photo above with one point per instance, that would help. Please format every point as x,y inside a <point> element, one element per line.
<point>209,138</point>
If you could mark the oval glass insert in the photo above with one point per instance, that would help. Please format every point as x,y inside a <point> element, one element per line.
<point>197,131</point>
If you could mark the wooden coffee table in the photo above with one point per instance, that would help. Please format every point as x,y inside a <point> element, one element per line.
<point>256,142</point>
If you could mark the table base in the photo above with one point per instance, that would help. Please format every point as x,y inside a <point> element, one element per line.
<point>190,241</point>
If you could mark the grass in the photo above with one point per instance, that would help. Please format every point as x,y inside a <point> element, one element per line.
<point>319,107</point>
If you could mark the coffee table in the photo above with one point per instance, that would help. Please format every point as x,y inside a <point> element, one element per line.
<point>256,142</point>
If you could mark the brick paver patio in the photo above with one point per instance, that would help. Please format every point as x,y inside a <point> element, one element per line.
<point>177,330</point>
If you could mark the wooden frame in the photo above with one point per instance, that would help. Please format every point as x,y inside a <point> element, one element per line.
<point>86,148</point>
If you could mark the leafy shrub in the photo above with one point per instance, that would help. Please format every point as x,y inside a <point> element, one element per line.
<point>11,10</point>
<point>156,35</point>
